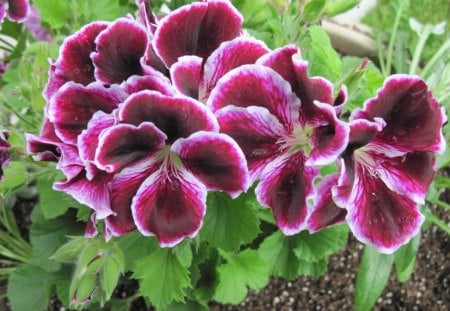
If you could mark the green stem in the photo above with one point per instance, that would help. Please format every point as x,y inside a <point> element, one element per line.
<point>392,38</point>
<point>442,204</point>
<point>438,222</point>
<point>437,56</point>
<point>419,48</point>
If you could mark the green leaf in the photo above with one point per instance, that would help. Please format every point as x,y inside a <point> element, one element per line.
<point>317,268</point>
<point>162,278</point>
<point>373,275</point>
<point>229,223</point>
<point>335,7</point>
<point>29,288</point>
<point>315,247</point>
<point>318,51</point>
<point>53,203</point>
<point>14,176</point>
<point>278,251</point>
<point>313,9</point>
<point>405,258</point>
<point>54,12</point>
<point>184,254</point>
<point>47,236</point>
<point>70,251</point>
<point>243,270</point>
<point>135,246</point>
<point>109,276</point>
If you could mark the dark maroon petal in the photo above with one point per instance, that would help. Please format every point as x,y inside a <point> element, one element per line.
<point>18,10</point>
<point>54,82</point>
<point>73,105</point>
<point>119,50</point>
<point>340,100</point>
<point>124,143</point>
<point>154,81</point>
<point>230,55</point>
<point>74,62</point>
<point>171,205</point>
<point>69,162</point>
<point>286,185</point>
<point>196,29</point>
<point>5,157</point>
<point>288,62</point>
<point>91,226</point>
<point>325,212</point>
<point>88,140</point>
<point>216,160</point>
<point>175,116</point>
<point>256,131</point>
<point>153,60</point>
<point>363,131</point>
<point>256,85</point>
<point>329,137</point>
<point>123,188</point>
<point>94,193</point>
<point>379,216</point>
<point>186,75</point>
<point>413,117</point>
<point>410,174</point>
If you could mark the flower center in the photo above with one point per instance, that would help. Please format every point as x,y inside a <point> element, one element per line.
<point>366,161</point>
<point>298,139</point>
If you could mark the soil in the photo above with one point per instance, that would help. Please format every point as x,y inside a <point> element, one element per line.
<point>428,288</point>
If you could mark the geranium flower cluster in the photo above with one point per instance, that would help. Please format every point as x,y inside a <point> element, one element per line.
<point>145,116</point>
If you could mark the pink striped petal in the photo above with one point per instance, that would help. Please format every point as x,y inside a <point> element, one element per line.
<point>329,137</point>
<point>286,185</point>
<point>152,81</point>
<point>74,62</point>
<point>18,10</point>
<point>230,55</point>
<point>94,193</point>
<point>196,29</point>
<point>124,143</point>
<point>257,133</point>
<point>186,74</point>
<point>256,85</point>
<point>176,116</point>
<point>73,105</point>
<point>413,117</point>
<point>123,188</point>
<point>170,204</point>
<point>379,216</point>
<point>325,212</point>
<point>216,160</point>
<point>119,51</point>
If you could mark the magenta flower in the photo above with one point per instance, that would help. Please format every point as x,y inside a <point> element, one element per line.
<point>33,23</point>
<point>14,10</point>
<point>286,124</point>
<point>5,157</point>
<point>389,163</point>
<point>165,152</point>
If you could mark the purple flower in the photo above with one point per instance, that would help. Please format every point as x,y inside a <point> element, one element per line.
<point>287,126</point>
<point>5,157</point>
<point>389,163</point>
<point>33,23</point>
<point>14,10</point>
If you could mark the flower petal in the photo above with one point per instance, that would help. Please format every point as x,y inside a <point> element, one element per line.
<point>256,131</point>
<point>186,74</point>
<point>124,143</point>
<point>94,193</point>
<point>18,10</point>
<point>44,145</point>
<point>256,85</point>
<point>73,105</point>
<point>379,216</point>
<point>412,115</point>
<point>196,29</point>
<point>170,205</point>
<point>330,138</point>
<point>229,55</point>
<point>74,63</point>
<point>119,51</point>
<point>410,175</point>
<point>153,81</point>
<point>286,185</point>
<point>176,116</point>
<point>325,212</point>
<point>123,188</point>
<point>216,160</point>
